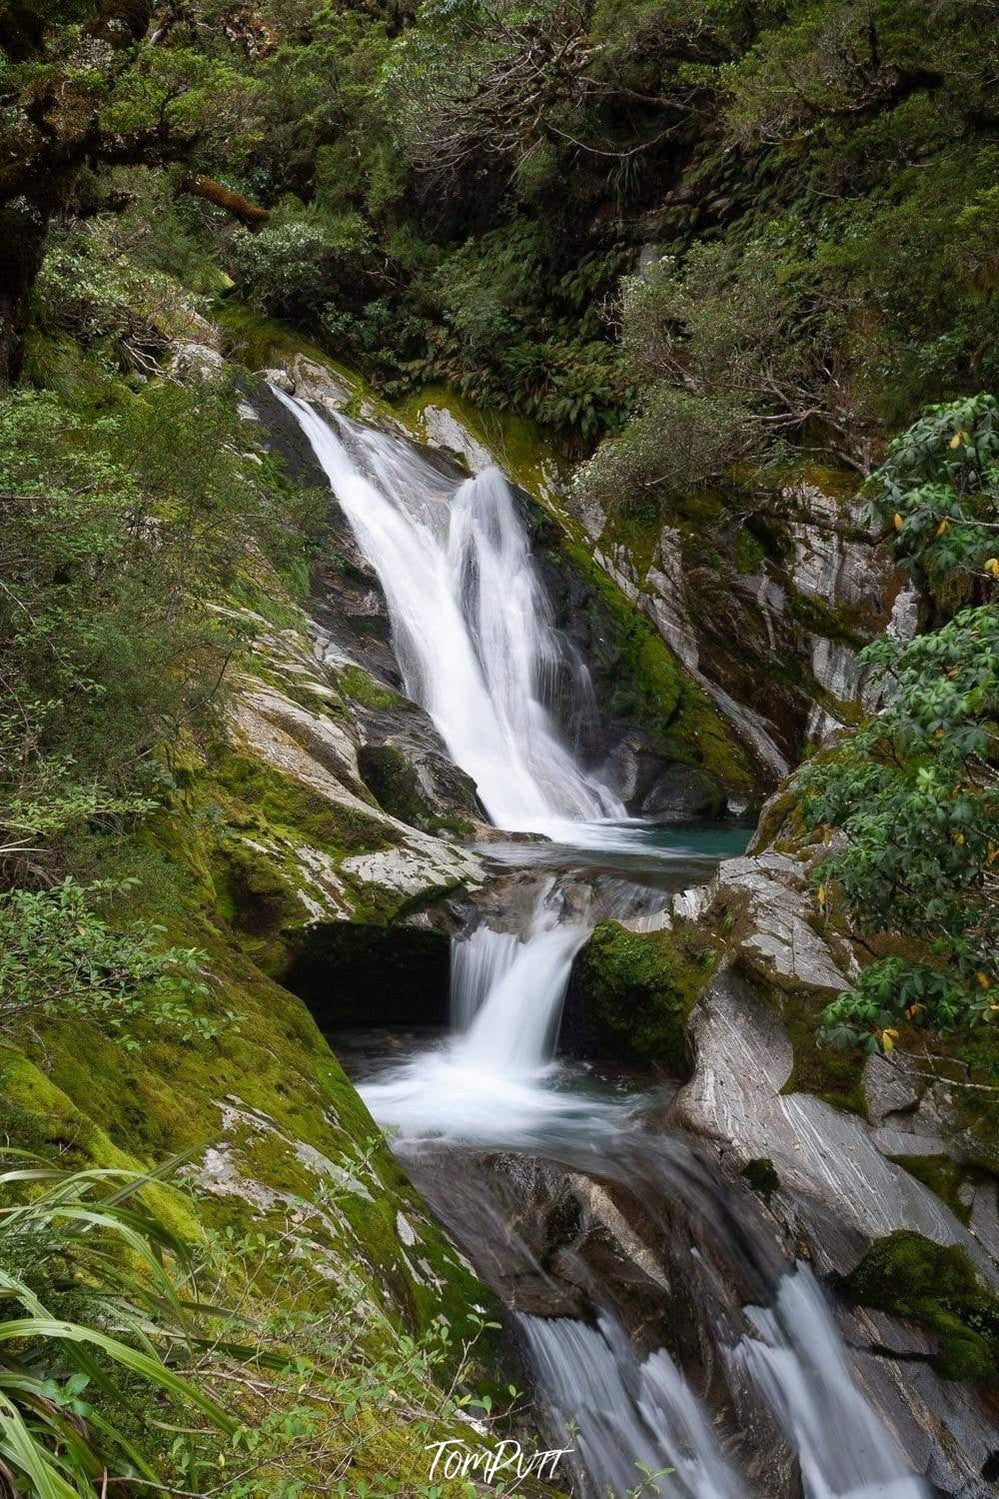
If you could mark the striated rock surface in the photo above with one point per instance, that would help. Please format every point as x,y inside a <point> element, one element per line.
<point>766,612</point>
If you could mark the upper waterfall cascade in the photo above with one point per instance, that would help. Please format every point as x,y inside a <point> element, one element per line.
<point>472,628</point>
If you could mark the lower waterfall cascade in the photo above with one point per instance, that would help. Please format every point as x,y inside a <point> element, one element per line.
<point>476,646</point>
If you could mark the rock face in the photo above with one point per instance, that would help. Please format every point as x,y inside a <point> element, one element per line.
<point>766,617</point>
<point>844,1193</point>
<point>835,1152</point>
<point>757,1071</point>
<point>342,854</point>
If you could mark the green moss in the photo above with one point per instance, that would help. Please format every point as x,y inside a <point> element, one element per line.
<point>935,1285</point>
<point>631,994</point>
<point>636,524</point>
<point>267,796</point>
<point>520,446</point>
<point>261,342</point>
<point>780,822</point>
<point>394,783</point>
<point>651,685</point>
<point>834,1075</point>
<point>257,900</point>
<point>835,622</point>
<point>749,554</point>
<point>260,595</point>
<point>361,687</point>
<point>761,1174</point>
<point>943,1176</point>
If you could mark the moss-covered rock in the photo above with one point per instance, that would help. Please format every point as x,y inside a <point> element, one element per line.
<point>937,1286</point>
<point>643,680</point>
<point>761,1174</point>
<point>394,782</point>
<point>630,995</point>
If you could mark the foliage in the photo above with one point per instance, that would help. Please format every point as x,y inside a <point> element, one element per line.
<point>120,526</point>
<point>939,489</point>
<point>320,1370</point>
<point>60,959</point>
<point>92,1279</point>
<point>487,81</point>
<point>815,178</point>
<point>915,790</point>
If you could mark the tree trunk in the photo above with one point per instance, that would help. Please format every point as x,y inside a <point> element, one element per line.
<point>22,249</point>
<point>250,214</point>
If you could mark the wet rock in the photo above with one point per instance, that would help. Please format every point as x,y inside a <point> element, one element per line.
<point>840,1191</point>
<point>442,429</point>
<point>778,937</point>
<point>817,591</point>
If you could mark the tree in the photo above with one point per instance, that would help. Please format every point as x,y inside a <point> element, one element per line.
<point>86,85</point>
<point>485,81</point>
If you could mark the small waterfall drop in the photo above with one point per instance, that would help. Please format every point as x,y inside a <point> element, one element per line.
<point>472,628</point>
<point>799,1362</point>
<point>623,1412</point>
<point>495,1071</point>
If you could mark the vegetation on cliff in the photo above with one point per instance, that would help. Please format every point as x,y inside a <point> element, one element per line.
<point>915,790</point>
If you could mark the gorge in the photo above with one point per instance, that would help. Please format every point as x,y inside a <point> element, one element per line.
<point>499,749</point>
<point>472,632</point>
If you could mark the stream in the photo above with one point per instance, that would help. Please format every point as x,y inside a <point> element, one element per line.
<point>726,1353</point>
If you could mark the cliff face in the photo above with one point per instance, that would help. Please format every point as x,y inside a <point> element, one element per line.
<point>766,612</point>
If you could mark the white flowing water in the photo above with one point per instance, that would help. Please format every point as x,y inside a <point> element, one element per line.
<point>475,641</point>
<point>493,1078</point>
<point>618,1412</point>
<point>799,1361</point>
<point>632,1419</point>
<point>471,626</point>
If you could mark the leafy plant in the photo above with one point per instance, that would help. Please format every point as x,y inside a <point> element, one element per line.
<point>915,790</point>
<point>61,960</point>
<point>91,1282</point>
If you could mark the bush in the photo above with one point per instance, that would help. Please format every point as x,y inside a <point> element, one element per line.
<point>916,789</point>
<point>61,960</point>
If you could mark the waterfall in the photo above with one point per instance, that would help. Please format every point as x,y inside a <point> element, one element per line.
<point>477,965</point>
<point>495,1071</point>
<point>623,1412</point>
<point>513,1030</point>
<point>472,628</point>
<point>799,1361</point>
<point>477,647</point>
